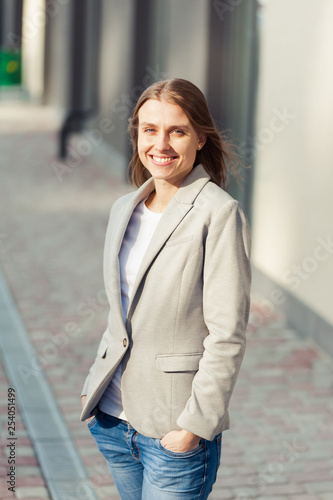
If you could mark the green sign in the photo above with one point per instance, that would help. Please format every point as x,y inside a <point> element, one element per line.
<point>10,67</point>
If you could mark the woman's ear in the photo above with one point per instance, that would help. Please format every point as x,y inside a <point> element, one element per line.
<point>202,141</point>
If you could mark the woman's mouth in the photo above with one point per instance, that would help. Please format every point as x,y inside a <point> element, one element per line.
<point>163,160</point>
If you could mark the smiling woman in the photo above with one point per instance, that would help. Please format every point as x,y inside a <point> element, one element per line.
<point>192,106</point>
<point>167,146</point>
<point>177,275</point>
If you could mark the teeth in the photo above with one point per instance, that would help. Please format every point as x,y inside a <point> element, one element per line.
<point>161,160</point>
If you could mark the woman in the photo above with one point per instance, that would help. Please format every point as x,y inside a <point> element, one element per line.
<point>177,276</point>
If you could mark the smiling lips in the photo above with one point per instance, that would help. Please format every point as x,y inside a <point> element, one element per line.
<point>163,160</point>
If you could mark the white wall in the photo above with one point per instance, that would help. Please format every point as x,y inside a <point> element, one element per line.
<point>33,38</point>
<point>292,200</point>
<point>57,54</point>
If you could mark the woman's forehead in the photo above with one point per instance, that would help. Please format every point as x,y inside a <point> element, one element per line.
<point>155,111</point>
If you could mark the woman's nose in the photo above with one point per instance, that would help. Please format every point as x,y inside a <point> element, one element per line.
<point>162,142</point>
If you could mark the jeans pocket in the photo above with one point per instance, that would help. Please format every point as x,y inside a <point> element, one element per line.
<point>92,422</point>
<point>184,454</point>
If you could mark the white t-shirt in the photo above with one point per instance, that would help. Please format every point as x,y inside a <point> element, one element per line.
<point>137,237</point>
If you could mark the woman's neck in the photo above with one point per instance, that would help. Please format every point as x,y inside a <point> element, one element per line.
<point>159,199</point>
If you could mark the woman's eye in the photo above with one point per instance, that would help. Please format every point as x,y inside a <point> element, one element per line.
<point>148,130</point>
<point>178,131</point>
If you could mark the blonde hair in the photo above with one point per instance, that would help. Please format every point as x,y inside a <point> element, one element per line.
<point>217,155</point>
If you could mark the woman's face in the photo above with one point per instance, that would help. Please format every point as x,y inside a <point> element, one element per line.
<point>167,142</point>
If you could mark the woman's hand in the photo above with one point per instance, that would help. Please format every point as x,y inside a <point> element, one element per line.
<point>83,402</point>
<point>180,441</point>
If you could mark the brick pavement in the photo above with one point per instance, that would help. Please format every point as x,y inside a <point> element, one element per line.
<point>51,241</point>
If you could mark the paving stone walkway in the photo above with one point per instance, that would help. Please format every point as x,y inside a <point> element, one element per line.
<point>52,229</point>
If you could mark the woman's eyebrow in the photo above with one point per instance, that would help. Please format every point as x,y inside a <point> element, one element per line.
<point>183,127</point>
<point>147,124</point>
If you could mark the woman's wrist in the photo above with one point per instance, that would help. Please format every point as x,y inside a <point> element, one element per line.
<point>190,436</point>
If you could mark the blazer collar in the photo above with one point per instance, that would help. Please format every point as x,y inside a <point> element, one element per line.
<point>186,194</point>
<point>179,206</point>
<point>192,186</point>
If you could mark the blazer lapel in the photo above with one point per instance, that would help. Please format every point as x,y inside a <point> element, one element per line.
<point>177,209</point>
<point>113,245</point>
<point>126,214</point>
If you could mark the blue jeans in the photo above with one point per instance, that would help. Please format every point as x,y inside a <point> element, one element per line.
<point>143,469</point>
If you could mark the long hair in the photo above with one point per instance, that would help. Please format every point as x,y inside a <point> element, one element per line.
<point>217,155</point>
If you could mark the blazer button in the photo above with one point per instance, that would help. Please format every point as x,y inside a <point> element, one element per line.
<point>125,342</point>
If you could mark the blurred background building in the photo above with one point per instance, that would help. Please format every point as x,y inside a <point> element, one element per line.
<point>266,70</point>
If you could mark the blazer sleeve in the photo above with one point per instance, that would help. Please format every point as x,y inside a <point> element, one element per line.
<point>226,303</point>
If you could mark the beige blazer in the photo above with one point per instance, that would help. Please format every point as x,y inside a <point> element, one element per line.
<point>184,338</point>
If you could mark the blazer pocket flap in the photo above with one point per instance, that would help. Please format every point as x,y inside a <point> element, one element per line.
<point>178,362</point>
<point>102,348</point>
